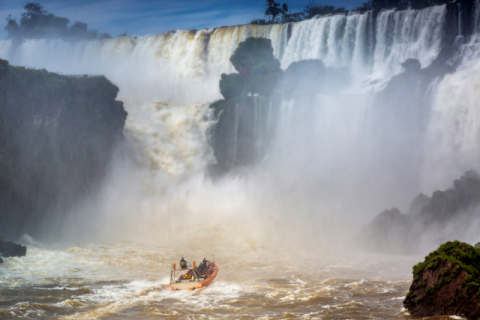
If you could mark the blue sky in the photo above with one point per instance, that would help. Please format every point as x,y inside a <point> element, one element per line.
<point>156,16</point>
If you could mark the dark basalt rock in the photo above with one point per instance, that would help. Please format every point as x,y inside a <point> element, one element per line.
<point>394,231</point>
<point>10,249</point>
<point>446,283</point>
<point>57,135</point>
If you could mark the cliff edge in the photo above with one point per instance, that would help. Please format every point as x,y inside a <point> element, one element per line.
<point>58,134</point>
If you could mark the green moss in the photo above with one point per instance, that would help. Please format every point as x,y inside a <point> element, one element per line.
<point>468,260</point>
<point>462,256</point>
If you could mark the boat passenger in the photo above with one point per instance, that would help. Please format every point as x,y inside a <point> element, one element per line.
<point>183,264</point>
<point>197,274</point>
<point>201,268</point>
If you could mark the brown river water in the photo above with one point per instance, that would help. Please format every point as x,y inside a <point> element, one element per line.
<point>126,281</point>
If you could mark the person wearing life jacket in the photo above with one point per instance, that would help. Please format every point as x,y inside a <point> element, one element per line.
<point>197,273</point>
<point>183,264</point>
<point>188,275</point>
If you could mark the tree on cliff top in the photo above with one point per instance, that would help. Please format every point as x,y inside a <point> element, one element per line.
<point>274,9</point>
<point>258,69</point>
<point>313,9</point>
<point>378,5</point>
<point>38,23</point>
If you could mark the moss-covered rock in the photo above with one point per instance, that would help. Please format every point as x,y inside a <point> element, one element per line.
<point>447,282</point>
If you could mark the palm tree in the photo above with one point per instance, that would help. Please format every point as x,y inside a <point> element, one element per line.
<point>273,9</point>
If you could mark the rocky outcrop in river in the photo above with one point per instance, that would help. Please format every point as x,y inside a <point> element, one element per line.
<point>446,283</point>
<point>10,249</point>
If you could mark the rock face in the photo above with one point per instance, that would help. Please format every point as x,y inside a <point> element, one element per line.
<point>242,122</point>
<point>57,136</point>
<point>446,283</point>
<point>392,230</point>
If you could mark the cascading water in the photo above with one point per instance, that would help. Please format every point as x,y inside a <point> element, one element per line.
<point>331,160</point>
<point>185,66</point>
<point>167,80</point>
<point>454,127</point>
<point>409,34</point>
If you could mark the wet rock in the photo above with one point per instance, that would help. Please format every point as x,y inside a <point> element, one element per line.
<point>446,283</point>
<point>10,249</point>
<point>52,125</point>
<point>394,231</point>
<point>412,65</point>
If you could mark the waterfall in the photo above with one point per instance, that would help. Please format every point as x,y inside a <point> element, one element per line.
<point>177,72</point>
<point>454,127</point>
<point>332,152</point>
<point>408,34</point>
<point>476,17</point>
<point>185,66</point>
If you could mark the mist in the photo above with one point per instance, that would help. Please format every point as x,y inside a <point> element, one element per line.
<point>339,154</point>
<point>314,162</point>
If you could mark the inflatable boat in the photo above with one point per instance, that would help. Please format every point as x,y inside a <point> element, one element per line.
<point>193,278</point>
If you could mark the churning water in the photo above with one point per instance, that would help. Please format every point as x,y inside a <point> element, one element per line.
<point>280,230</point>
<point>125,281</point>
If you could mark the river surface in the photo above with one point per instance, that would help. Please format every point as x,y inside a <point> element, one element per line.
<point>126,281</point>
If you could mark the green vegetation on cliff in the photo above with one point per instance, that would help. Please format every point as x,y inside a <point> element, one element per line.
<point>57,135</point>
<point>37,23</point>
<point>460,254</point>
<point>314,8</point>
<point>447,282</point>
